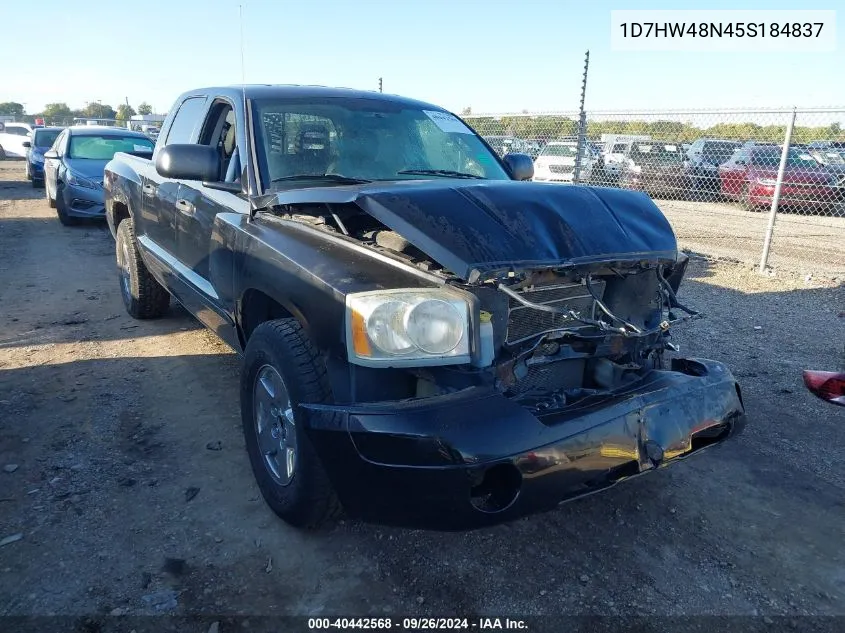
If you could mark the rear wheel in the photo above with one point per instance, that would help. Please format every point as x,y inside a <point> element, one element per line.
<point>2,153</point>
<point>61,209</point>
<point>281,370</point>
<point>143,296</point>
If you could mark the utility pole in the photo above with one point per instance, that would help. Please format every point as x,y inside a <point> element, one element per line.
<point>582,123</point>
<point>379,84</point>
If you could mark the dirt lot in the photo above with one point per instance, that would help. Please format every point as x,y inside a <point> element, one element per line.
<point>107,427</point>
<point>802,242</point>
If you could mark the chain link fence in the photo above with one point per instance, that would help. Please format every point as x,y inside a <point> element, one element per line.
<point>765,187</point>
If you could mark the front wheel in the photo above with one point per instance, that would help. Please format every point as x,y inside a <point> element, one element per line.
<point>281,370</point>
<point>143,296</point>
<point>61,210</point>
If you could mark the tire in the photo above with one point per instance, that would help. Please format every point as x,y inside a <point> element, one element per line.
<point>143,297</point>
<point>280,353</point>
<point>59,204</point>
<point>37,183</point>
<point>2,153</point>
<point>51,202</point>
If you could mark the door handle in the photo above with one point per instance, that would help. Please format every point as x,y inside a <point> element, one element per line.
<point>148,189</point>
<point>184,206</point>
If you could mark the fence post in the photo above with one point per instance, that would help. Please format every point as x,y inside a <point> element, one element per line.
<point>582,125</point>
<point>767,243</point>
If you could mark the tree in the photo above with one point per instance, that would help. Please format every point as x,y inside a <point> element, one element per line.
<point>56,111</point>
<point>125,112</point>
<point>11,108</point>
<point>97,110</point>
<point>466,111</point>
<point>145,108</point>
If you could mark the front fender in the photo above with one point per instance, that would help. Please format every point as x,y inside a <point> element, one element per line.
<point>122,185</point>
<point>309,272</point>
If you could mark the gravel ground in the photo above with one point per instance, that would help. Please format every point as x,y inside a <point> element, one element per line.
<point>803,243</point>
<point>122,468</point>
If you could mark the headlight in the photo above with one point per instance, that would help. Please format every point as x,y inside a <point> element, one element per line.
<point>80,181</point>
<point>768,182</point>
<point>396,328</point>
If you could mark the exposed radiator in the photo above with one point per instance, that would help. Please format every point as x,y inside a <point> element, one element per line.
<point>524,321</point>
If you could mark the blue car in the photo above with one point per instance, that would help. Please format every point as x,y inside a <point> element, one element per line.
<point>41,139</point>
<point>73,168</point>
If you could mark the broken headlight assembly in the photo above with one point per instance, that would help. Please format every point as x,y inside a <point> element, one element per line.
<point>408,328</point>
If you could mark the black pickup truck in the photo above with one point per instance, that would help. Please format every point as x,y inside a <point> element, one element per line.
<point>426,341</point>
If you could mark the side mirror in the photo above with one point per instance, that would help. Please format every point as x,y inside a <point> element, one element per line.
<point>26,144</point>
<point>520,166</point>
<point>51,153</point>
<point>188,162</point>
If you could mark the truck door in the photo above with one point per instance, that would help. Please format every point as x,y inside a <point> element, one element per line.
<point>158,219</point>
<point>197,210</point>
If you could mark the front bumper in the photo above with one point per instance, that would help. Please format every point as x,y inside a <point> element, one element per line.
<point>83,202</point>
<point>36,170</point>
<point>803,196</point>
<point>658,183</point>
<point>476,458</point>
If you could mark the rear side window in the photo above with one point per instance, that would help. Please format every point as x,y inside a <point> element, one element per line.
<point>186,121</point>
<point>16,130</point>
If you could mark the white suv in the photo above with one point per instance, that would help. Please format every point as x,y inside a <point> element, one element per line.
<point>12,137</point>
<point>556,163</point>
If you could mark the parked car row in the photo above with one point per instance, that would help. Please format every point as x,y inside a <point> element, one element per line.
<point>707,169</point>
<point>71,170</point>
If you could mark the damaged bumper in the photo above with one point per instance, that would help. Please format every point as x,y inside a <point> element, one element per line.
<point>476,458</point>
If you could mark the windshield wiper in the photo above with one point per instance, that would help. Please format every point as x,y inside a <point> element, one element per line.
<point>346,180</point>
<point>447,173</point>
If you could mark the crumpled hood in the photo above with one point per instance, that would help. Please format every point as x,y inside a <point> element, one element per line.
<point>472,227</point>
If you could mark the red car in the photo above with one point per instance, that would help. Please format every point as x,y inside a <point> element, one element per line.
<point>750,177</point>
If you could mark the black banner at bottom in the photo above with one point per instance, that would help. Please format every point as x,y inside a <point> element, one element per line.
<point>403,624</point>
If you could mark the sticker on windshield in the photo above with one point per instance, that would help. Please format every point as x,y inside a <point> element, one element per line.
<point>671,148</point>
<point>142,148</point>
<point>805,157</point>
<point>447,122</point>
<point>645,149</point>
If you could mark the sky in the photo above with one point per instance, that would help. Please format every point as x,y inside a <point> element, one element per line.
<point>492,56</point>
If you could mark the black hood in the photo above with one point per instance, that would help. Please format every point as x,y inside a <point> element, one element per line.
<point>474,227</point>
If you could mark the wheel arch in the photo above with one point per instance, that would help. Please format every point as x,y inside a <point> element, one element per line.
<point>258,305</point>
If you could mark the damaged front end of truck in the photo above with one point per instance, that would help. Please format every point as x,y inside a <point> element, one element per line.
<point>562,384</point>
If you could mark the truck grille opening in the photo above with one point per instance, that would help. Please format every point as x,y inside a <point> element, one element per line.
<point>525,321</point>
<point>551,377</point>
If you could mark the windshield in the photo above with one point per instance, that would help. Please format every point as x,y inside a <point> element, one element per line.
<point>829,156</point>
<point>770,157</point>
<point>719,149</point>
<point>559,149</point>
<point>366,139</point>
<point>45,138</point>
<point>93,147</point>
<point>656,152</point>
